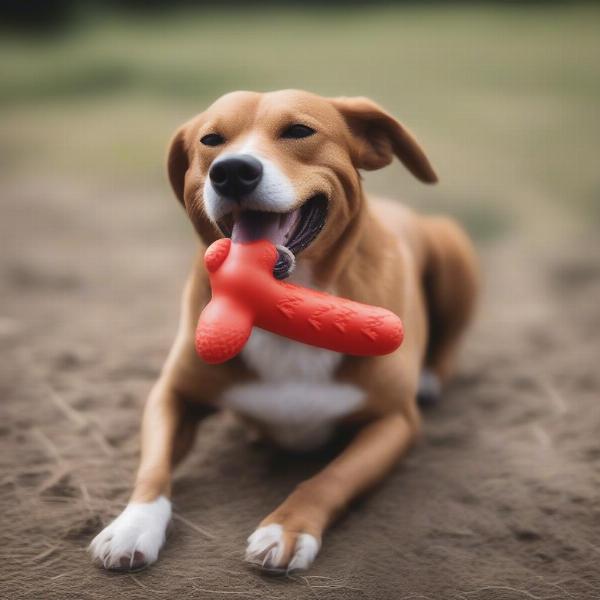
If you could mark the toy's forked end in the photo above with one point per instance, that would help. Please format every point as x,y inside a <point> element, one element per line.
<point>222,332</point>
<point>217,344</point>
<point>216,254</point>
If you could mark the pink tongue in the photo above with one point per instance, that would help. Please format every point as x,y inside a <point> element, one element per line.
<point>253,225</point>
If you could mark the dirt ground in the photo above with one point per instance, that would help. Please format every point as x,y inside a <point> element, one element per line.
<point>498,501</point>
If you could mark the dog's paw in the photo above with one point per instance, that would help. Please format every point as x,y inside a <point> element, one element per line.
<point>135,537</point>
<point>274,549</point>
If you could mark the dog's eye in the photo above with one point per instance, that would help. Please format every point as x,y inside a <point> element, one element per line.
<point>212,139</point>
<point>297,131</point>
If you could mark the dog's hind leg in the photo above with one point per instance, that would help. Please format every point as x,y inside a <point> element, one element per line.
<point>451,282</point>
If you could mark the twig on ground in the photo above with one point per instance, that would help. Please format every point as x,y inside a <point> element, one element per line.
<point>45,553</point>
<point>505,588</point>
<point>193,526</point>
<point>58,474</point>
<point>48,445</point>
<point>245,593</point>
<point>55,577</point>
<point>73,415</point>
<point>145,587</point>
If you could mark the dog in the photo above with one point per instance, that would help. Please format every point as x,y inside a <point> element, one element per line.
<point>285,166</point>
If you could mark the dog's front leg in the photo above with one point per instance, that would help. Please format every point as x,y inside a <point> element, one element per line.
<point>135,537</point>
<point>290,537</point>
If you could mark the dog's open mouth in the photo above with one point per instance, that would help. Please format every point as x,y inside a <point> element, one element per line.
<point>291,232</point>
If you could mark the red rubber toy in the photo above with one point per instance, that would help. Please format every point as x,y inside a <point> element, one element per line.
<point>245,294</point>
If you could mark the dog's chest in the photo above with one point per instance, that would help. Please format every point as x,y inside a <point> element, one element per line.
<point>296,396</point>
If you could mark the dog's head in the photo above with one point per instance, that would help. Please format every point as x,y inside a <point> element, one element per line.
<point>284,166</point>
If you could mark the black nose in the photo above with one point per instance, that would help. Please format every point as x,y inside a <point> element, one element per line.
<point>236,176</point>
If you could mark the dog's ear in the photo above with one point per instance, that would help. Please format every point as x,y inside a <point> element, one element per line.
<point>377,137</point>
<point>178,162</point>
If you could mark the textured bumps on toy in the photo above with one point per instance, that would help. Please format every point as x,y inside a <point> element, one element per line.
<point>245,294</point>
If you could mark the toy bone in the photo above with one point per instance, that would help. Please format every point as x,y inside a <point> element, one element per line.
<point>245,294</point>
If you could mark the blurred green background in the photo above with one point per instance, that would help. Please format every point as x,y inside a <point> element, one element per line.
<point>505,98</point>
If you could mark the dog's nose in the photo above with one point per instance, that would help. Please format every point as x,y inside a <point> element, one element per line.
<point>236,176</point>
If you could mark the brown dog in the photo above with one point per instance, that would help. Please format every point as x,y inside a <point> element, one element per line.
<point>285,166</point>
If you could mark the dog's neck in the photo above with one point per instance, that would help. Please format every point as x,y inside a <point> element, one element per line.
<point>358,256</point>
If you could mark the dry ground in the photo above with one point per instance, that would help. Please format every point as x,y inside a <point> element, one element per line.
<point>501,498</point>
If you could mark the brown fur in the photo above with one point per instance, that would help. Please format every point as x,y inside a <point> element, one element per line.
<point>378,252</point>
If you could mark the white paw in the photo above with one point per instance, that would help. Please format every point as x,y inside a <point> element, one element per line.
<point>134,538</point>
<point>274,549</point>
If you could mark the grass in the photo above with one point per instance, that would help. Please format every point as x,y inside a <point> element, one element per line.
<point>505,99</point>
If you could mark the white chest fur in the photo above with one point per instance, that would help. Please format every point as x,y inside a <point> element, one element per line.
<point>296,397</point>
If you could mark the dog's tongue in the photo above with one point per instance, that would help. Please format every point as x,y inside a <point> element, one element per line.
<point>250,226</point>
<point>277,228</point>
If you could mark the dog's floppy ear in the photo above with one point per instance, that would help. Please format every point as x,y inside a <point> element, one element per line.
<point>178,162</point>
<point>377,137</point>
